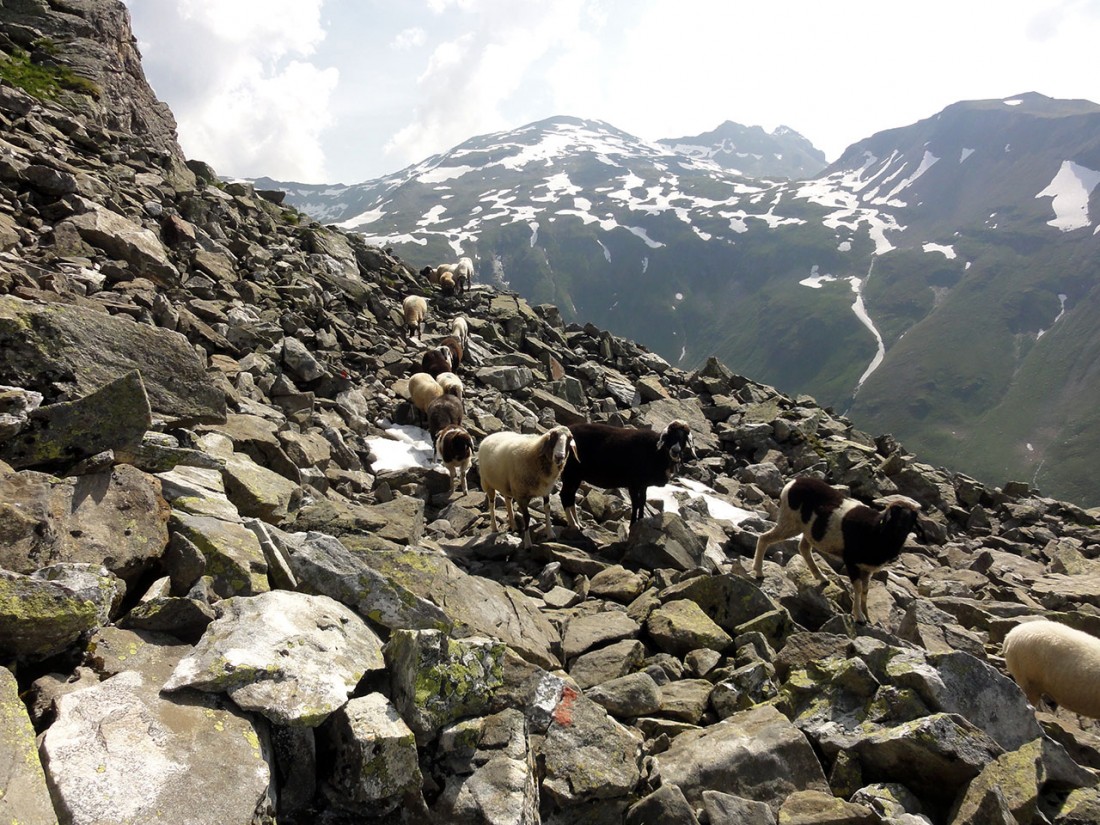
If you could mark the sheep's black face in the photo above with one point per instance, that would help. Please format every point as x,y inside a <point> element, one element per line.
<point>901,519</point>
<point>677,439</point>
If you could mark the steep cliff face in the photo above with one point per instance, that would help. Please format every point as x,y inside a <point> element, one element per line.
<point>93,38</point>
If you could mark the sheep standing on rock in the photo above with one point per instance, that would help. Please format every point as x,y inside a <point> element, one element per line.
<point>863,538</point>
<point>415,310</point>
<point>623,457</point>
<point>455,448</point>
<point>447,283</point>
<point>1052,659</point>
<point>522,467</point>
<point>463,274</point>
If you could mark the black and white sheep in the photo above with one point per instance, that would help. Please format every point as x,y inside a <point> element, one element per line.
<point>863,538</point>
<point>436,360</point>
<point>457,350</point>
<point>522,467</point>
<point>1052,659</point>
<point>414,309</point>
<point>445,411</point>
<point>624,457</point>
<point>455,448</point>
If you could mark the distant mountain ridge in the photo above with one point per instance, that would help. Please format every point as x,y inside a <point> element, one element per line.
<point>749,150</point>
<point>935,281</point>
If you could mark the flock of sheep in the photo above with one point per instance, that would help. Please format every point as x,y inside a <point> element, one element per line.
<point>1044,657</point>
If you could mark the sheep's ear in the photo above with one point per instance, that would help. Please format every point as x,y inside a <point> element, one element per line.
<point>573,448</point>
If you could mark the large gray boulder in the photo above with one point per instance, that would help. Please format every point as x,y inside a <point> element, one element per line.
<point>294,658</point>
<point>756,754</point>
<point>24,796</point>
<point>82,350</point>
<point>477,606</point>
<point>121,752</point>
<point>374,755</point>
<point>116,518</point>
<point>588,755</point>
<point>323,565</point>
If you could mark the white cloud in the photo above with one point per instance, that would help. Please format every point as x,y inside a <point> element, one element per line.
<point>253,105</point>
<point>409,38</point>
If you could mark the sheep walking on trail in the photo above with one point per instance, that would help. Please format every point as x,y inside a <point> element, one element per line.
<point>460,330</point>
<point>863,538</point>
<point>415,309</point>
<point>522,467</point>
<point>1051,659</point>
<point>623,457</point>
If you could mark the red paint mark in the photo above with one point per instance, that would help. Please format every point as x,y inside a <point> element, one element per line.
<point>563,713</point>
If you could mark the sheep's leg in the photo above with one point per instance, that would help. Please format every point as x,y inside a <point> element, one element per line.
<point>549,526</point>
<point>765,540</point>
<point>511,513</point>
<point>807,553</point>
<point>465,484</point>
<point>859,597</point>
<point>571,517</point>
<point>491,497</point>
<point>525,515</point>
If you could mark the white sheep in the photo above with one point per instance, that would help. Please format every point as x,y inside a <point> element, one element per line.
<point>460,330</point>
<point>451,384</point>
<point>863,538</point>
<point>423,390</point>
<point>522,467</point>
<point>1052,659</point>
<point>464,273</point>
<point>415,309</point>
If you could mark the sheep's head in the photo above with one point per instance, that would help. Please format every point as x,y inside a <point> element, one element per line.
<point>426,271</point>
<point>559,443</point>
<point>677,438</point>
<point>900,516</point>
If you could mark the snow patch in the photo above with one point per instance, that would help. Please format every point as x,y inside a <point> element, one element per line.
<point>815,280</point>
<point>669,498</point>
<point>1070,190</point>
<point>403,447</point>
<point>948,251</point>
<point>965,154</point>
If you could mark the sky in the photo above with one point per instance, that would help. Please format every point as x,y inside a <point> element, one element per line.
<point>344,91</point>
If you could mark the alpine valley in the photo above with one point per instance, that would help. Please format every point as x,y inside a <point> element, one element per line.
<point>937,282</point>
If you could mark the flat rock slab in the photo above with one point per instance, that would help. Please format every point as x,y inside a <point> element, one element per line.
<point>121,752</point>
<point>292,657</point>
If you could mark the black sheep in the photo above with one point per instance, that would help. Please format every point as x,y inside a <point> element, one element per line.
<point>629,457</point>
<point>444,411</point>
<point>863,538</point>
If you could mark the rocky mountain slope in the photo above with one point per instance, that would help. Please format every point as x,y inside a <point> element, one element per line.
<point>936,280</point>
<point>234,588</point>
